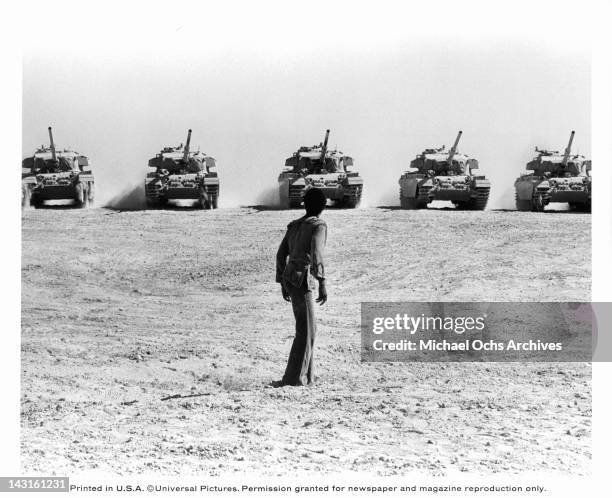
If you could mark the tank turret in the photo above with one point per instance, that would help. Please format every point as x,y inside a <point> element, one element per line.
<point>318,166</point>
<point>438,175</point>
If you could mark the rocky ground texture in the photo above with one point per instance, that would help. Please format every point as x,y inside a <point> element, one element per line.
<point>149,339</point>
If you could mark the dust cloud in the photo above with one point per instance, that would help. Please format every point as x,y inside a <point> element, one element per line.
<point>130,199</point>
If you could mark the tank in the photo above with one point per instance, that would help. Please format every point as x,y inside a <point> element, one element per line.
<point>552,176</point>
<point>53,174</point>
<point>178,173</point>
<point>328,170</point>
<point>441,175</point>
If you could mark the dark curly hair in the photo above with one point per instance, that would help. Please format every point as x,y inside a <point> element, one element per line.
<point>314,201</point>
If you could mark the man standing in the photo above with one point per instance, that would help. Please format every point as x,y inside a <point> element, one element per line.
<point>299,264</point>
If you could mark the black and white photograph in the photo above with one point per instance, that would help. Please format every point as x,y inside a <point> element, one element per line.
<point>332,248</point>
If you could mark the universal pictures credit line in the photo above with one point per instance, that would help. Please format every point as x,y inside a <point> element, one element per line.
<point>478,331</point>
<point>313,488</point>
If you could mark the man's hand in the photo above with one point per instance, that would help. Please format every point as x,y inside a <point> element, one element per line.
<point>286,295</point>
<point>322,293</point>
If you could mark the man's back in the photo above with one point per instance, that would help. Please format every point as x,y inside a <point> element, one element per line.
<point>303,245</point>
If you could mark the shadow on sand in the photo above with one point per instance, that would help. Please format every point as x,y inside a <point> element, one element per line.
<point>262,207</point>
<point>559,211</point>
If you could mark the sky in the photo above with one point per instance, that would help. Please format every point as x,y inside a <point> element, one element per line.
<point>255,92</point>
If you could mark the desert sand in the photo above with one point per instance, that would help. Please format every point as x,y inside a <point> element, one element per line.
<point>149,339</point>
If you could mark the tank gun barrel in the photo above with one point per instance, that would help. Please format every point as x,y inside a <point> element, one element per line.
<point>568,149</point>
<point>186,149</point>
<point>53,155</point>
<point>324,148</point>
<point>453,150</point>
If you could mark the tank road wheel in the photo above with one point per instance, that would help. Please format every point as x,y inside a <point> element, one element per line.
<point>204,200</point>
<point>80,195</point>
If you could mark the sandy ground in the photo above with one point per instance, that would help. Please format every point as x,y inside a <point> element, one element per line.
<point>122,310</point>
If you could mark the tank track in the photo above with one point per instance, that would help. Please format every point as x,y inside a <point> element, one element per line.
<point>583,207</point>
<point>156,202</point>
<point>26,197</point>
<point>419,202</point>
<point>295,197</point>
<point>535,204</point>
<point>353,197</point>
<point>152,195</point>
<point>540,201</point>
<point>213,197</point>
<point>84,194</point>
<point>479,203</point>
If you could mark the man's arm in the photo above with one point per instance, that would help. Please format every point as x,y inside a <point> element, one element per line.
<point>317,268</point>
<point>281,263</point>
<point>281,259</point>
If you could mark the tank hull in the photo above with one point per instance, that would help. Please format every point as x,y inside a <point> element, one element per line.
<point>534,193</point>
<point>79,189</point>
<point>203,190</point>
<point>465,191</point>
<point>342,190</point>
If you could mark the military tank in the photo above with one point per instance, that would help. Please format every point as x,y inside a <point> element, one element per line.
<point>555,177</point>
<point>177,173</point>
<point>328,170</point>
<point>52,174</point>
<point>441,175</point>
